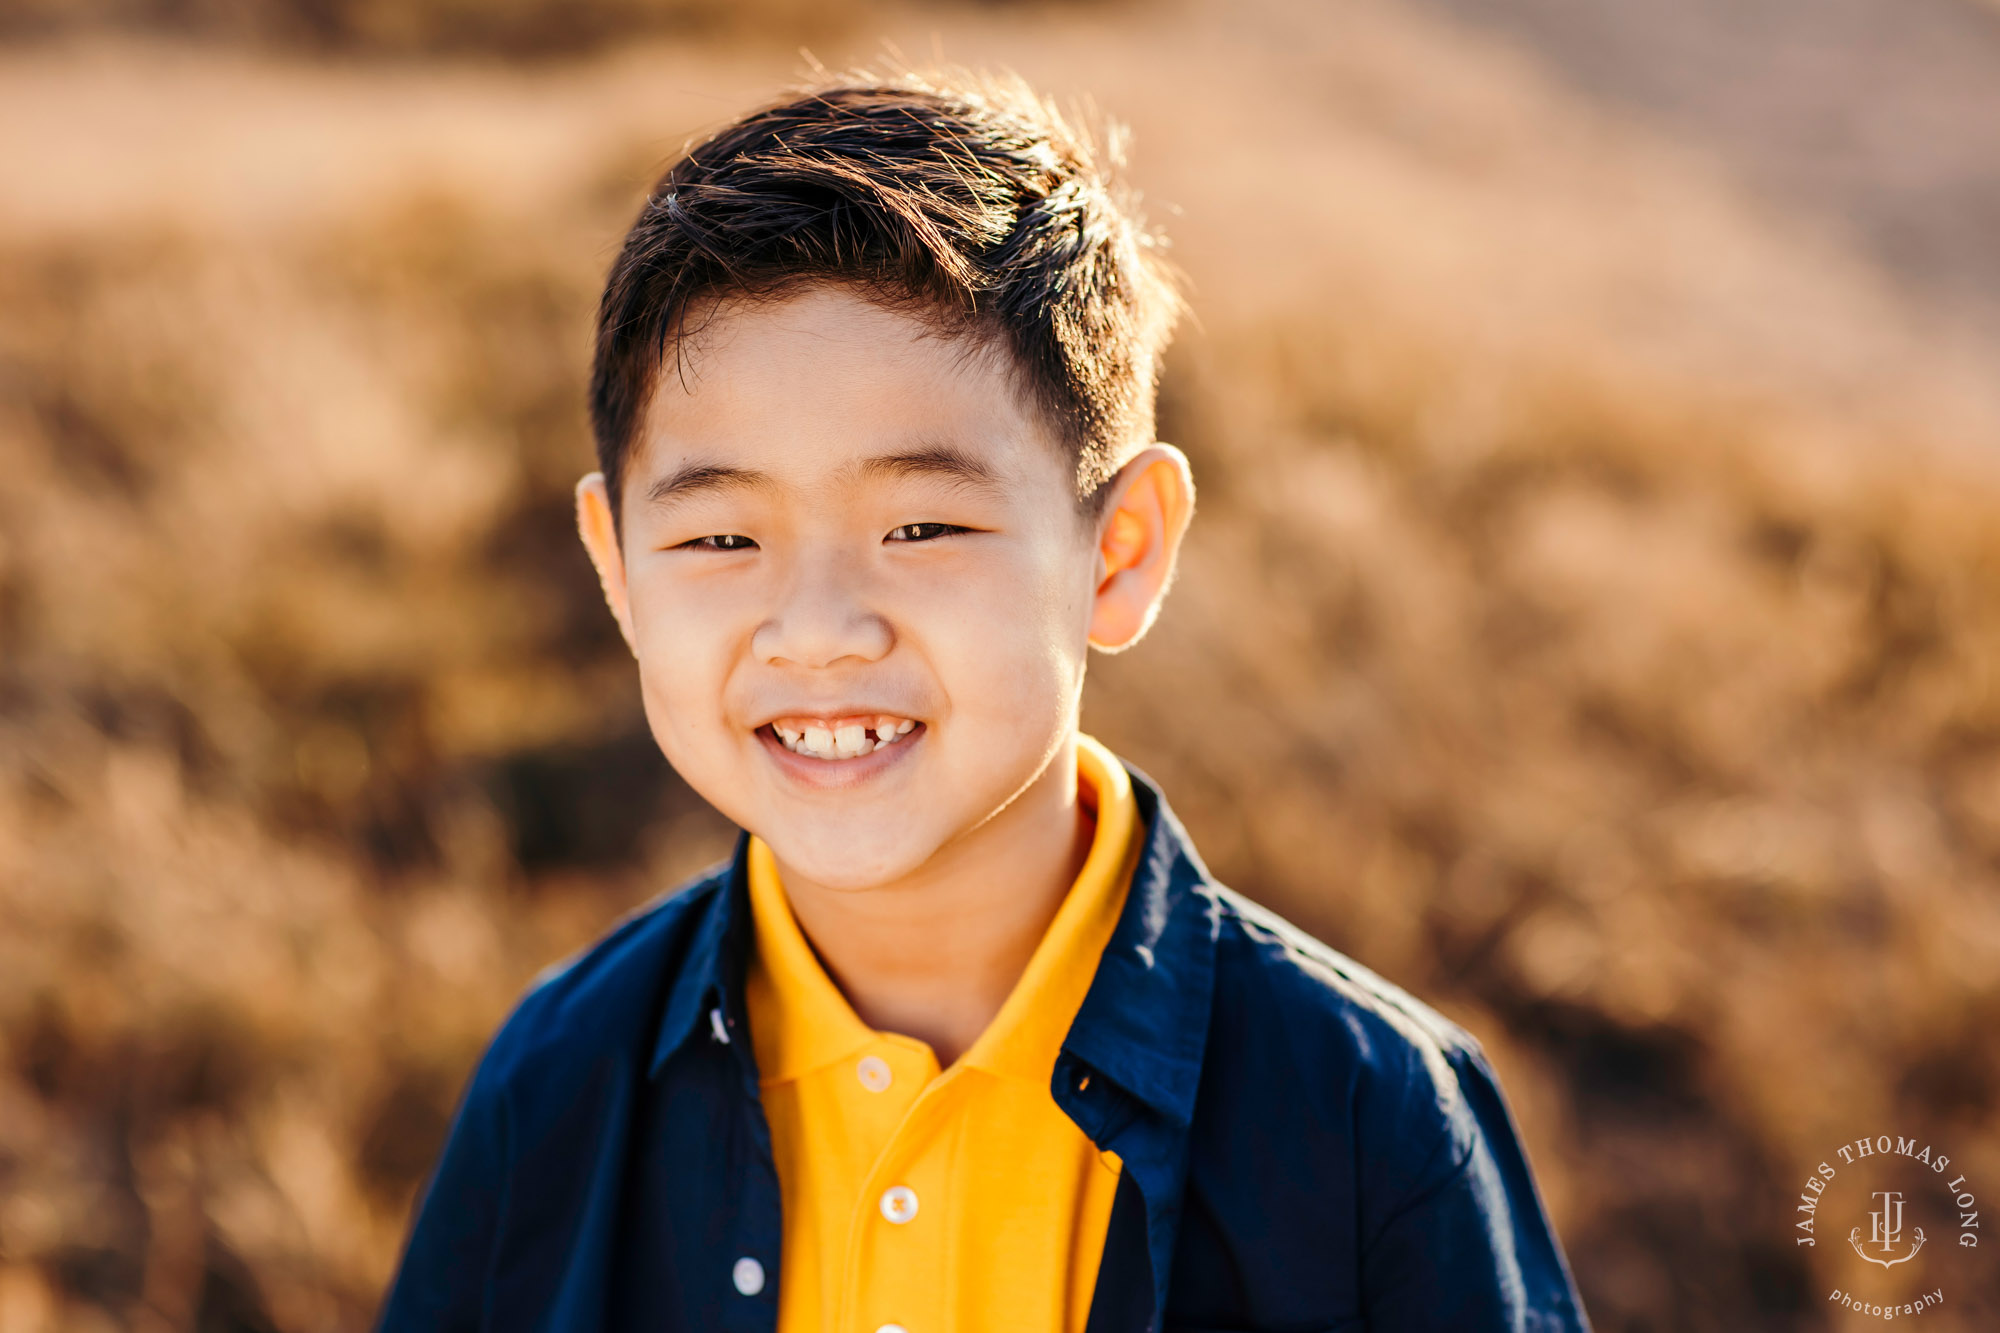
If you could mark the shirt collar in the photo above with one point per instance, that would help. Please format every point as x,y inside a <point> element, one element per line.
<point>1025,1037</point>
<point>1144,1024</point>
<point>801,1022</point>
<point>1144,1020</point>
<point>708,975</point>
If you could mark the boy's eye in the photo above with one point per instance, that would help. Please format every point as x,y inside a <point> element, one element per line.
<point>728,541</point>
<point>923,532</point>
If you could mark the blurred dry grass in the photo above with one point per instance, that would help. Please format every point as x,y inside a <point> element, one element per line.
<point>1591,623</point>
<point>515,29</point>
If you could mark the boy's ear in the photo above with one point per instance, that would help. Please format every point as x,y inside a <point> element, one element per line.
<point>1138,541</point>
<point>600,537</point>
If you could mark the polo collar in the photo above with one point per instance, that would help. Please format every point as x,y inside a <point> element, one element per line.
<point>1144,1021</point>
<point>707,992</point>
<point>811,1023</point>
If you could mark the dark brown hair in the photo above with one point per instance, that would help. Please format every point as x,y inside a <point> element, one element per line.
<point>967,200</point>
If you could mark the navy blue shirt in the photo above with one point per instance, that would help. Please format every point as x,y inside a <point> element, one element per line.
<point>1306,1148</point>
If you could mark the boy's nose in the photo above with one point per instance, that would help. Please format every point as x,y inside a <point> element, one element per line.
<point>820,620</point>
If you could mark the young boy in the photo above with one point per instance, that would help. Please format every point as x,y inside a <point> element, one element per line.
<point>964,1036</point>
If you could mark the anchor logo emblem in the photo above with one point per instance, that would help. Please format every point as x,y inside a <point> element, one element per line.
<point>1886,1231</point>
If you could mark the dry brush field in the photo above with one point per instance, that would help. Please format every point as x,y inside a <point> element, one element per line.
<point>1591,623</point>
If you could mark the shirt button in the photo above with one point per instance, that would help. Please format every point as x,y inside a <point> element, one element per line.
<point>892,1328</point>
<point>873,1071</point>
<point>899,1203</point>
<point>748,1276</point>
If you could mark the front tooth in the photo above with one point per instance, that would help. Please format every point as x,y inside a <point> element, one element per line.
<point>851,740</point>
<point>817,740</point>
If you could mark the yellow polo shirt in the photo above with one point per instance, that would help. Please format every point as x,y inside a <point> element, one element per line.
<point>926,1201</point>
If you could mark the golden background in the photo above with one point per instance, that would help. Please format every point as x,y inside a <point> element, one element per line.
<point>1590,621</point>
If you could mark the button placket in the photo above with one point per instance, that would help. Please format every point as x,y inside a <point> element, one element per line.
<point>887,1234</point>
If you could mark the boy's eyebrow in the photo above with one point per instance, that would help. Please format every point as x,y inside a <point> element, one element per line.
<point>941,461</point>
<point>693,478</point>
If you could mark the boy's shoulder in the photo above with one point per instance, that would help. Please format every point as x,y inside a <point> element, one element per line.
<point>1303,1021</point>
<point>1279,963</point>
<point>609,998</point>
<point>1280,1000</point>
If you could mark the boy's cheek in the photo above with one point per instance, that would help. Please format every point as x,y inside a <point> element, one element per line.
<point>1026,609</point>
<point>683,700</point>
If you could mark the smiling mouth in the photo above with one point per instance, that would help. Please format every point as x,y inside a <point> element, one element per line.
<point>840,737</point>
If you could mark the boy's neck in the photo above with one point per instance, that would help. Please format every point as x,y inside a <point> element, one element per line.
<point>935,954</point>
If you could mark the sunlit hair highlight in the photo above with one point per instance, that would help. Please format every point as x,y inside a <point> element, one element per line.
<point>965,199</point>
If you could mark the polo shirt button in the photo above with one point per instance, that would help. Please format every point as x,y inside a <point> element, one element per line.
<point>873,1071</point>
<point>899,1203</point>
<point>892,1328</point>
<point>748,1276</point>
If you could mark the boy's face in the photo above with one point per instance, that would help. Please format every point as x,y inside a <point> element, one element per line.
<point>859,589</point>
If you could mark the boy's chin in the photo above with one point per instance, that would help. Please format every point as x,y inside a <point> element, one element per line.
<point>849,860</point>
